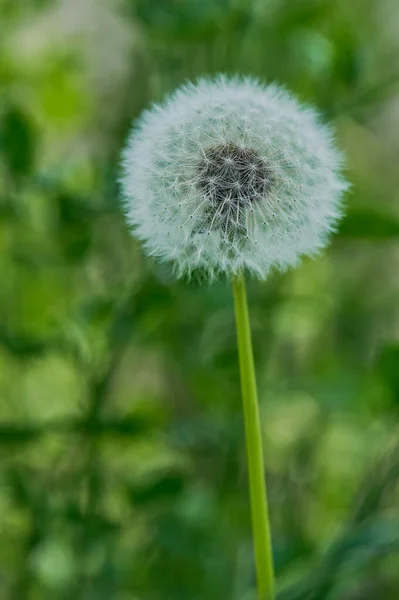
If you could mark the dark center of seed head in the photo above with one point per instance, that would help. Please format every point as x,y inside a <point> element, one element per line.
<point>233,177</point>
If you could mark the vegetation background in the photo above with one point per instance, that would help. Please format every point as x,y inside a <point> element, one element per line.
<point>123,472</point>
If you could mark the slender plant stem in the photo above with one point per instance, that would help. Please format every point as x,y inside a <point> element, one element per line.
<point>256,469</point>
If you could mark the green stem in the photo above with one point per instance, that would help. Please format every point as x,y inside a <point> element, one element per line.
<point>256,469</point>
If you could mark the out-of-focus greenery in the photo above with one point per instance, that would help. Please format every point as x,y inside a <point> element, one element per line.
<point>123,472</point>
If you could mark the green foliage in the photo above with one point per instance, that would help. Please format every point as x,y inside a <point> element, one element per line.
<point>123,468</point>
<point>369,225</point>
<point>17,142</point>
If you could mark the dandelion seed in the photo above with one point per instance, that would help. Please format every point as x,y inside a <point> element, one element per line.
<point>256,169</point>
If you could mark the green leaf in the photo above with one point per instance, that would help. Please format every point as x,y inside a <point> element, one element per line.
<point>184,18</point>
<point>163,487</point>
<point>21,345</point>
<point>369,224</point>
<point>17,142</point>
<point>388,364</point>
<point>10,434</point>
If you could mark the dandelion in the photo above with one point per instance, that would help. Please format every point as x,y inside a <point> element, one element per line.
<point>228,176</point>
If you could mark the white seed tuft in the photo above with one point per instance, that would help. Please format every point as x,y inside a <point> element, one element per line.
<point>230,174</point>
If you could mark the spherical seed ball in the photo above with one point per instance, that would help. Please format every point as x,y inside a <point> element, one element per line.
<point>230,174</point>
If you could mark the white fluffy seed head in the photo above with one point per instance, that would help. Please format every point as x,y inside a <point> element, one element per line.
<point>229,174</point>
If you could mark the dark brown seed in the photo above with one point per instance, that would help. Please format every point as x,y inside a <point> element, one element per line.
<point>232,178</point>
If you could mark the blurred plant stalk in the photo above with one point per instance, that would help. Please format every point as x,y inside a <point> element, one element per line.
<point>253,435</point>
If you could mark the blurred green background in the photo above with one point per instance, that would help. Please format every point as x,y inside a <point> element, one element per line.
<point>123,472</point>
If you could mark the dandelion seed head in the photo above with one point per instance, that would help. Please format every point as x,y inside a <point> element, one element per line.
<point>230,174</point>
